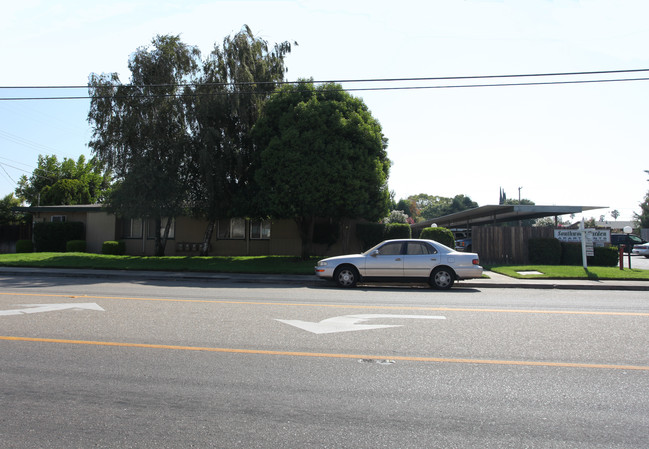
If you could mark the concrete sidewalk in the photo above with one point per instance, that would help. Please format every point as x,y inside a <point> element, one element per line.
<point>495,280</point>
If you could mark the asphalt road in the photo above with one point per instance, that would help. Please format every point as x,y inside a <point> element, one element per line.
<point>171,364</point>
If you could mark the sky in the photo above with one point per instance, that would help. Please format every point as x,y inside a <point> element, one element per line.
<point>554,144</point>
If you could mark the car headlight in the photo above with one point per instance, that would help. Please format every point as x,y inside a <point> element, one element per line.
<point>322,263</point>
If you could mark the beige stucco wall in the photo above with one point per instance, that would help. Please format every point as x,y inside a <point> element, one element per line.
<point>100,227</point>
<point>188,234</point>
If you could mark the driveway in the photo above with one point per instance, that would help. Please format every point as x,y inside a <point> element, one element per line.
<point>639,262</point>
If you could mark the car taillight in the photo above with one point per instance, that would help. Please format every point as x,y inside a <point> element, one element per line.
<point>476,261</point>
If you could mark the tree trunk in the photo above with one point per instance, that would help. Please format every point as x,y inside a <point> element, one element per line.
<point>161,240</point>
<point>305,226</point>
<point>205,246</point>
<point>344,233</point>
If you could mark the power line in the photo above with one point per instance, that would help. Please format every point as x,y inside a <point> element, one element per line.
<point>353,89</point>
<point>361,80</point>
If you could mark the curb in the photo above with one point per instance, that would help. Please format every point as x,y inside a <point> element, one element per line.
<point>313,281</point>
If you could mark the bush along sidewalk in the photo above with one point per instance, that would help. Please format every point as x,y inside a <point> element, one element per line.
<point>554,252</point>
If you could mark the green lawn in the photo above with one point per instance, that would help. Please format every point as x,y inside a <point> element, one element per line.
<point>275,265</point>
<point>258,264</point>
<point>570,272</point>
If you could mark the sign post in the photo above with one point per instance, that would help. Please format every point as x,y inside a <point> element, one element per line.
<point>584,253</point>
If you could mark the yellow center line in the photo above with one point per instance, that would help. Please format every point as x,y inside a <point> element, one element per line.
<point>337,306</point>
<point>330,355</point>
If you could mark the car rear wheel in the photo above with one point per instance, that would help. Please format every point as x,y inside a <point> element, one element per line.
<point>442,278</point>
<point>346,276</point>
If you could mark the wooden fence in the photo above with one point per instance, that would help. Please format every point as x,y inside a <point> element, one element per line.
<point>506,244</point>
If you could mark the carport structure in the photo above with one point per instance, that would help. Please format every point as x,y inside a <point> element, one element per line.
<point>503,244</point>
<point>503,213</point>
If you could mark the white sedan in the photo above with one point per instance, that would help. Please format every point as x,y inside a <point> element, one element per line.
<point>402,260</point>
<point>641,250</point>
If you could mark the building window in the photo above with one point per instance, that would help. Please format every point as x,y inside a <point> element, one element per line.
<point>163,223</point>
<point>132,228</point>
<point>260,229</point>
<point>238,228</point>
<point>233,228</point>
<point>58,219</point>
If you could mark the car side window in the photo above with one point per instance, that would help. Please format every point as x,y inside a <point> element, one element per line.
<point>390,249</point>
<point>416,248</point>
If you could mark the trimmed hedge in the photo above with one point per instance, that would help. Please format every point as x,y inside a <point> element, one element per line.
<point>24,246</point>
<point>76,246</point>
<point>604,257</point>
<point>439,234</point>
<point>397,231</point>
<point>544,251</point>
<point>52,237</point>
<point>370,234</point>
<point>113,248</point>
<point>554,252</point>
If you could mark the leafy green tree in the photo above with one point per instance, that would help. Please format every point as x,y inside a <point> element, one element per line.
<point>408,206</point>
<point>322,155</point>
<point>460,203</point>
<point>237,78</point>
<point>7,216</point>
<point>64,183</point>
<point>432,206</point>
<point>141,131</point>
<point>643,217</point>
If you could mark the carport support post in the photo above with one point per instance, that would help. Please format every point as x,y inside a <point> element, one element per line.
<point>583,243</point>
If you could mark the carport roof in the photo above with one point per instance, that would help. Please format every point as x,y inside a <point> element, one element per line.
<point>484,215</point>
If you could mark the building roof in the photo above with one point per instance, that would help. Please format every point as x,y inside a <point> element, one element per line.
<point>485,215</point>
<point>65,208</point>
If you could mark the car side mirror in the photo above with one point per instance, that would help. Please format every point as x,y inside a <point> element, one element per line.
<point>375,253</point>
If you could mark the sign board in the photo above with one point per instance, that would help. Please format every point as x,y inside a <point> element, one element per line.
<point>590,250</point>
<point>597,237</point>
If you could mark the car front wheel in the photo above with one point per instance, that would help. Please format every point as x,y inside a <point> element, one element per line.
<point>442,278</point>
<point>346,276</point>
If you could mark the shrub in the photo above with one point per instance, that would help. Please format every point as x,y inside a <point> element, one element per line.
<point>544,251</point>
<point>24,246</point>
<point>441,235</point>
<point>397,231</point>
<point>53,236</point>
<point>76,246</point>
<point>571,253</point>
<point>604,257</point>
<point>370,234</point>
<point>113,247</point>
<point>326,233</point>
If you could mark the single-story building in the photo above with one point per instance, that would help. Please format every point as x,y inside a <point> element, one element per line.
<point>231,237</point>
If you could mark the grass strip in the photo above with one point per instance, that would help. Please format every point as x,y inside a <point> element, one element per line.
<point>216,264</point>
<point>571,272</point>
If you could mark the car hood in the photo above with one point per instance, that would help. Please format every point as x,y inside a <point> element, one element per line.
<point>345,257</point>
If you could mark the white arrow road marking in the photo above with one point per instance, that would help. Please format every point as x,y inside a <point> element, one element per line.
<point>37,308</point>
<point>349,323</point>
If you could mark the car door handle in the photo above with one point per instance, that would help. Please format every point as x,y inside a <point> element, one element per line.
<point>398,259</point>
<point>433,258</point>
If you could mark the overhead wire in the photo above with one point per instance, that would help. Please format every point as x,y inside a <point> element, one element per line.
<point>345,81</point>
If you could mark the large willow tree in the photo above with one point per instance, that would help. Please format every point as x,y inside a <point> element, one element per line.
<point>177,136</point>
<point>237,78</point>
<point>141,131</point>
